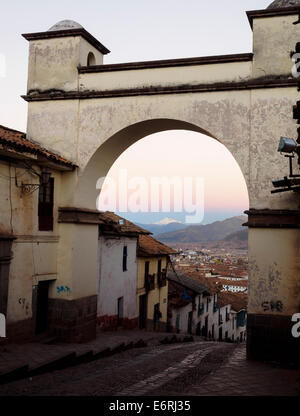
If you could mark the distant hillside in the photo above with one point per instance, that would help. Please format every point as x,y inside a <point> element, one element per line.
<point>238,236</point>
<point>216,231</point>
<point>157,229</point>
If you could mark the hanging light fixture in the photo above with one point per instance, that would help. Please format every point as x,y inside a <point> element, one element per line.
<point>29,188</point>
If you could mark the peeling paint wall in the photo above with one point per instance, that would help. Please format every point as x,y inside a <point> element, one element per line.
<point>274,271</point>
<point>53,63</point>
<point>34,252</point>
<point>273,40</point>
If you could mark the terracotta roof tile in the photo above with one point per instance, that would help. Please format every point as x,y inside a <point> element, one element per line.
<point>148,246</point>
<point>238,301</point>
<point>192,284</point>
<point>14,139</point>
<point>124,225</point>
<point>211,283</point>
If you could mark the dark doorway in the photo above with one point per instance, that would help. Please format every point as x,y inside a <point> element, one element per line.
<point>198,329</point>
<point>120,310</point>
<point>190,320</point>
<point>45,208</point>
<point>220,334</point>
<point>5,259</point>
<point>177,324</point>
<point>42,307</point>
<point>143,311</point>
<point>206,326</point>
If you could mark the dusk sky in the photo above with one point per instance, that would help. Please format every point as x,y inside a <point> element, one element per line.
<point>137,30</point>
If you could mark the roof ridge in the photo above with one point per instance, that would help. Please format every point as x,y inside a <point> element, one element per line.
<point>12,138</point>
<point>9,128</point>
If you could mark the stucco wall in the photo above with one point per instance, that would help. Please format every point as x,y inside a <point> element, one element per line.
<point>53,62</point>
<point>275,280</point>
<point>113,282</point>
<point>159,294</point>
<point>155,77</point>
<point>273,40</point>
<point>34,252</point>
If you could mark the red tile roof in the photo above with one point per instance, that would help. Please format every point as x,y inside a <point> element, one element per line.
<point>16,140</point>
<point>148,247</point>
<point>123,225</point>
<point>238,301</point>
<point>212,284</point>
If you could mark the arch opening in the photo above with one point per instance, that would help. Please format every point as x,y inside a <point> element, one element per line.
<point>111,149</point>
<point>172,173</point>
<point>138,303</point>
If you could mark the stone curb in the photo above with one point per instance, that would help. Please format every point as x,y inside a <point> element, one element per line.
<point>72,359</point>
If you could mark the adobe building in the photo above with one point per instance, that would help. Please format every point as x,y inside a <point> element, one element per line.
<point>90,113</point>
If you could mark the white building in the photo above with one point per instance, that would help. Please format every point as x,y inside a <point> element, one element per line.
<point>232,316</point>
<point>191,305</point>
<point>195,308</point>
<point>117,272</point>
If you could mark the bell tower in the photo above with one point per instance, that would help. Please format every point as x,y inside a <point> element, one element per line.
<point>275,35</point>
<point>55,55</point>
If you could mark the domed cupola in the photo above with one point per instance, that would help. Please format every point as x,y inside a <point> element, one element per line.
<point>65,25</point>
<point>278,4</point>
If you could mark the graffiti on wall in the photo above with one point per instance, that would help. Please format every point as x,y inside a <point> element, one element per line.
<point>63,289</point>
<point>24,304</point>
<point>272,306</point>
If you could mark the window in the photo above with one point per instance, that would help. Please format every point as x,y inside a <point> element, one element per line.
<point>146,272</point>
<point>45,208</point>
<point>159,268</point>
<point>91,60</point>
<point>124,258</point>
<point>207,301</point>
<point>146,269</point>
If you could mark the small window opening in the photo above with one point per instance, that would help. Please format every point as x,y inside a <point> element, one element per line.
<point>91,60</point>
<point>124,258</point>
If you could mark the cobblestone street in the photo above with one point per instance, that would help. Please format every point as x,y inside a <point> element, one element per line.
<point>198,368</point>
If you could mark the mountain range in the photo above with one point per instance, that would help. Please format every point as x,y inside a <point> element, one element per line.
<point>183,233</point>
<point>157,229</point>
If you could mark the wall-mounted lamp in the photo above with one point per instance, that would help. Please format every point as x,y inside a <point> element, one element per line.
<point>29,188</point>
<point>291,183</point>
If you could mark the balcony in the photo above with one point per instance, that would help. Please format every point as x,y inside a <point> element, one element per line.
<point>150,282</point>
<point>162,278</point>
<point>241,319</point>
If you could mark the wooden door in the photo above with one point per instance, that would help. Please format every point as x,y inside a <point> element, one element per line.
<point>143,311</point>
<point>42,307</point>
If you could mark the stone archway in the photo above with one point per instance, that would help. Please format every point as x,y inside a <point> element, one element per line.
<point>91,114</point>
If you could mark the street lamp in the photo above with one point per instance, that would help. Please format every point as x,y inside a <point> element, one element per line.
<point>287,145</point>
